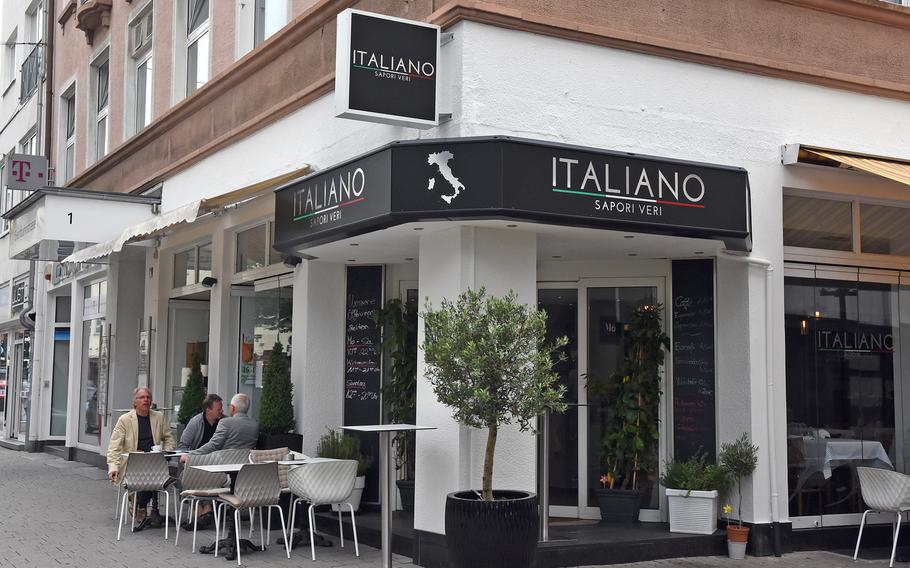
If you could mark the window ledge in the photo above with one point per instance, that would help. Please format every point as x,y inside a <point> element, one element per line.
<point>8,86</point>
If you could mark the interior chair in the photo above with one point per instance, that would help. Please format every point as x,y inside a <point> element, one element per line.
<point>884,491</point>
<point>145,472</point>
<point>198,485</point>
<point>327,482</point>
<point>263,456</point>
<point>256,486</point>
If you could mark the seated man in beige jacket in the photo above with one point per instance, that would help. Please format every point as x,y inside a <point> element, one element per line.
<point>137,431</point>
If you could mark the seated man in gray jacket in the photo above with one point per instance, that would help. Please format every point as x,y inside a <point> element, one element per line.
<point>239,432</point>
<point>201,427</point>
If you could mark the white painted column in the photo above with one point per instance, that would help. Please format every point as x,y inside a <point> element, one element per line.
<point>222,339</point>
<point>451,457</point>
<point>317,358</point>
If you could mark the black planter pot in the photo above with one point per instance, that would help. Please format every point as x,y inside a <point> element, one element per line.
<point>492,534</point>
<point>406,490</point>
<point>619,506</point>
<point>272,440</point>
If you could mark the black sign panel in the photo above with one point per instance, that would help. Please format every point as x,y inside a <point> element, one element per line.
<point>694,422</point>
<point>386,69</point>
<point>363,363</point>
<point>502,178</point>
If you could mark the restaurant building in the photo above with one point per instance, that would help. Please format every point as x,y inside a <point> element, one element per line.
<point>737,163</point>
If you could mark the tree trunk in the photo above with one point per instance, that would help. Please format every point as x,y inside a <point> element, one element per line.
<point>488,463</point>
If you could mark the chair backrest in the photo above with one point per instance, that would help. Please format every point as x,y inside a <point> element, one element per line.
<point>257,485</point>
<point>322,482</point>
<point>232,456</point>
<point>883,489</point>
<point>196,478</point>
<point>262,456</point>
<point>146,471</point>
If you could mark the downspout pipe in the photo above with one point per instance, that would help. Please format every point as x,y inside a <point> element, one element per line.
<point>769,393</point>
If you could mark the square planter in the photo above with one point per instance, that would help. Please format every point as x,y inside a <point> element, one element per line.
<point>692,512</point>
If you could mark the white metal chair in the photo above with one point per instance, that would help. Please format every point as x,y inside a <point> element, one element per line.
<point>198,485</point>
<point>326,482</point>
<point>145,472</point>
<point>884,491</point>
<point>256,486</point>
<point>264,456</point>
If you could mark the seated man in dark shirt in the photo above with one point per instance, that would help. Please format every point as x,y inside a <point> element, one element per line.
<point>198,431</point>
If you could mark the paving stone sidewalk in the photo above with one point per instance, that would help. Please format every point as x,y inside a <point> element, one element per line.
<point>56,513</point>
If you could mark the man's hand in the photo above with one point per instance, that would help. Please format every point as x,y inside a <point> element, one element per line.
<point>183,458</point>
<point>112,475</point>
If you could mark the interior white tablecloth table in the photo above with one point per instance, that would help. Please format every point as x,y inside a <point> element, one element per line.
<point>385,489</point>
<point>824,454</point>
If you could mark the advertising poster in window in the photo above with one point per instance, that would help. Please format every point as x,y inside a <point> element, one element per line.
<point>247,359</point>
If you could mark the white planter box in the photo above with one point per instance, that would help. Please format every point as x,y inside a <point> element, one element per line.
<point>693,512</point>
<point>354,497</point>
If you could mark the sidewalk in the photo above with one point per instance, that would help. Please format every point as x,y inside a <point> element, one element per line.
<point>59,513</point>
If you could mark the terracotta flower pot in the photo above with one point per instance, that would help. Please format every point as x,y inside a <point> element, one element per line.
<point>737,539</point>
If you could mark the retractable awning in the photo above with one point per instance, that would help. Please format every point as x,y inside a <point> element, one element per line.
<point>184,214</point>
<point>894,169</point>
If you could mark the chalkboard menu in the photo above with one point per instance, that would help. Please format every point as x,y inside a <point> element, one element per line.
<point>694,421</point>
<point>363,364</point>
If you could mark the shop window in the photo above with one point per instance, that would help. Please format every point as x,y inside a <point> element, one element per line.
<point>818,223</point>
<point>885,230</point>
<point>265,317</point>
<point>844,348</point>
<point>191,266</point>
<point>93,388</point>
<point>254,248</point>
<point>60,365</point>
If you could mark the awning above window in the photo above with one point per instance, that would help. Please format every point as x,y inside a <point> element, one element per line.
<point>184,214</point>
<point>894,169</point>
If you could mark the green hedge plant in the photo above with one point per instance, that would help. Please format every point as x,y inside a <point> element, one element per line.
<point>340,446</point>
<point>276,409</point>
<point>695,474</point>
<point>193,392</point>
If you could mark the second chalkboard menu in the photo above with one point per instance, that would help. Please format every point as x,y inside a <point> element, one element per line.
<point>694,420</point>
<point>363,363</point>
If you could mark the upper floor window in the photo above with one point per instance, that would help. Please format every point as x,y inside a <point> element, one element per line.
<point>197,44</point>
<point>101,107</point>
<point>141,71</point>
<point>192,265</point>
<point>254,248</point>
<point>29,144</point>
<point>9,60</point>
<point>68,131</point>
<point>269,17</point>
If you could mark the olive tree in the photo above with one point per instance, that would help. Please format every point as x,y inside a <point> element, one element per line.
<point>488,359</point>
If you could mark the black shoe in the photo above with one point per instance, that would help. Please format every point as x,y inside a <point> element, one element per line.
<point>204,522</point>
<point>143,524</point>
<point>155,520</point>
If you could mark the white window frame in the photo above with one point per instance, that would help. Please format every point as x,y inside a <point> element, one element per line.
<point>9,200</point>
<point>177,290</point>
<point>34,17</point>
<point>9,61</point>
<point>263,10</point>
<point>96,114</point>
<point>4,226</point>
<point>144,55</point>
<point>67,142</point>
<point>192,37</point>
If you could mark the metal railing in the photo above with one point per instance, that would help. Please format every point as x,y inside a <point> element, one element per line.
<point>29,73</point>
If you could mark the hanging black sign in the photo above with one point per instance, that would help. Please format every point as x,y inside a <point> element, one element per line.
<point>506,178</point>
<point>386,69</point>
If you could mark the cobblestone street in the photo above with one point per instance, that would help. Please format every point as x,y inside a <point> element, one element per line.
<point>60,513</point>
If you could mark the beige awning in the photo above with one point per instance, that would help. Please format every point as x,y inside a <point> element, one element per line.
<point>891,169</point>
<point>184,214</point>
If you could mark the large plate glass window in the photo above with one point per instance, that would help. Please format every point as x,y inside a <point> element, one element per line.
<point>93,388</point>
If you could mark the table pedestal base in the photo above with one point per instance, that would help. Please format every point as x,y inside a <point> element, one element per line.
<point>302,538</point>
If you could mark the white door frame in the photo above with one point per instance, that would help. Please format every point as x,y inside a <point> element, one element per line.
<point>582,286</point>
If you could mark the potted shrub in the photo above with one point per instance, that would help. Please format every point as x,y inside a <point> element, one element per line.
<point>739,460</point>
<point>340,446</point>
<point>692,490</point>
<point>488,359</point>
<point>276,409</point>
<point>400,391</point>
<point>632,397</point>
<point>193,393</point>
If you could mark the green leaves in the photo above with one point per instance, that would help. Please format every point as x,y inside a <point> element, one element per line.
<point>276,411</point>
<point>193,392</point>
<point>488,359</point>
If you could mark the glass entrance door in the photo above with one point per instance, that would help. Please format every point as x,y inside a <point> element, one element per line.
<point>592,314</point>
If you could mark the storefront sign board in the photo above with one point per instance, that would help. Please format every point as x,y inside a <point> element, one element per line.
<point>386,69</point>
<point>503,178</point>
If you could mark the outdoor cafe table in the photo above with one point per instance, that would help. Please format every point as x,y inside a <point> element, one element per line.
<point>385,490</point>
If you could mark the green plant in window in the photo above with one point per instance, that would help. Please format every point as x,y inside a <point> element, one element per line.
<point>193,392</point>
<point>341,446</point>
<point>276,410</point>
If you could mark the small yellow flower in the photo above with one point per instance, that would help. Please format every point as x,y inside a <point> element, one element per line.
<point>728,508</point>
<point>607,480</point>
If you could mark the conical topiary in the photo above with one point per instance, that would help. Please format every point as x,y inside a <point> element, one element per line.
<point>193,392</point>
<point>276,412</point>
